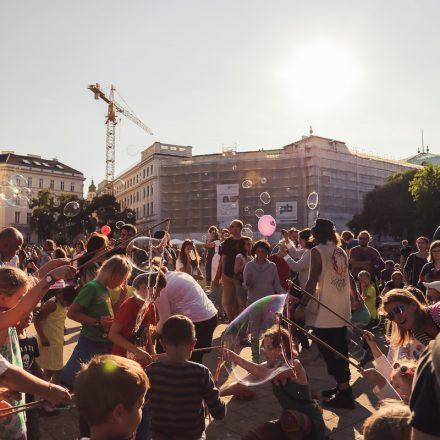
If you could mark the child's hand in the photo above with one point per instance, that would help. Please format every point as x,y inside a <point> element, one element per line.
<point>51,265</point>
<point>369,337</point>
<point>374,377</point>
<point>57,395</point>
<point>106,322</point>
<point>142,357</point>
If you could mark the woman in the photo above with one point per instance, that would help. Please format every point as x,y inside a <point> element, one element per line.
<point>212,256</point>
<point>242,258</point>
<point>261,279</point>
<point>302,266</point>
<point>413,324</point>
<point>431,270</point>
<point>416,261</point>
<point>80,250</point>
<point>189,260</point>
<point>301,417</point>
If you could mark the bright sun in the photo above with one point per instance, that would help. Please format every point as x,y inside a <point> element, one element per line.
<point>321,73</point>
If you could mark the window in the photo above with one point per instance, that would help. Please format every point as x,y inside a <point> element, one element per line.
<point>28,218</point>
<point>72,187</point>
<point>148,191</point>
<point>137,178</point>
<point>151,208</point>
<point>144,210</point>
<point>26,161</point>
<point>59,166</point>
<point>137,212</point>
<point>143,192</point>
<point>28,237</point>
<point>17,217</point>
<point>46,165</point>
<point>29,182</point>
<point>137,196</point>
<point>40,183</point>
<point>148,171</point>
<point>143,173</point>
<point>151,170</point>
<point>37,163</point>
<point>151,191</point>
<point>148,210</point>
<point>62,185</point>
<point>52,184</point>
<point>131,199</point>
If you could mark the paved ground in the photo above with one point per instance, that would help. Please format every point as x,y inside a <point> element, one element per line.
<point>242,416</point>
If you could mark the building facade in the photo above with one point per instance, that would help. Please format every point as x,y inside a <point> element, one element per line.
<point>199,191</point>
<point>38,174</point>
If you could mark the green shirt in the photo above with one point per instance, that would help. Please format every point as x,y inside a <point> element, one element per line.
<point>94,297</point>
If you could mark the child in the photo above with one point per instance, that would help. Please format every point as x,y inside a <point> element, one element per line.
<point>301,414</point>
<point>179,387</point>
<point>110,392</point>
<point>390,421</point>
<point>125,342</point>
<point>92,308</point>
<point>49,324</point>
<point>19,294</point>
<point>29,351</point>
<point>368,291</point>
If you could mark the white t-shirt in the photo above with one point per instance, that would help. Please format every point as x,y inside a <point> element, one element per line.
<point>183,296</point>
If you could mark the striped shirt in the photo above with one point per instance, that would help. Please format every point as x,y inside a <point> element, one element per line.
<point>176,396</point>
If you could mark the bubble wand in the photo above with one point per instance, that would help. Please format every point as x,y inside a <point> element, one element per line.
<point>319,341</point>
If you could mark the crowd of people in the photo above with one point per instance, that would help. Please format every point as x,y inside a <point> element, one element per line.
<point>137,369</point>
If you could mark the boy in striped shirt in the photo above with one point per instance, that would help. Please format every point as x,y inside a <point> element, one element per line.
<point>179,387</point>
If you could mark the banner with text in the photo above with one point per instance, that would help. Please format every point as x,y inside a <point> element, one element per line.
<point>227,203</point>
<point>286,212</point>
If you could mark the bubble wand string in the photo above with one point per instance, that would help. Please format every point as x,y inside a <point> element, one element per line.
<point>319,341</point>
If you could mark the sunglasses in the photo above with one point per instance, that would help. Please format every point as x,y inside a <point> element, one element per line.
<point>397,310</point>
<point>403,369</point>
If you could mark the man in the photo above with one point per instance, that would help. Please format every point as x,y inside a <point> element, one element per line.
<point>11,241</point>
<point>127,231</point>
<point>330,282</point>
<point>365,257</point>
<point>228,251</point>
<point>348,241</point>
<point>405,251</point>
<point>46,255</point>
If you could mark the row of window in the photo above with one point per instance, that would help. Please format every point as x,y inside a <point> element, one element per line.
<point>17,217</point>
<point>133,198</point>
<point>146,172</point>
<point>41,184</point>
<point>147,210</point>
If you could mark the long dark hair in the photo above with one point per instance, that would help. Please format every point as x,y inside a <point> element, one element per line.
<point>242,245</point>
<point>184,258</point>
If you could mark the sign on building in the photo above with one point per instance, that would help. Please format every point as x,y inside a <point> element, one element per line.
<point>286,212</point>
<point>227,203</point>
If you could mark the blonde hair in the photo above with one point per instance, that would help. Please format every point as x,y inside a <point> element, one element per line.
<point>365,273</point>
<point>395,334</point>
<point>390,421</point>
<point>12,279</point>
<point>115,266</point>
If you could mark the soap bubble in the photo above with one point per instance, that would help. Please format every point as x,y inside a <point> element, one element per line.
<point>139,252</point>
<point>119,224</point>
<point>312,200</point>
<point>132,150</point>
<point>18,180</point>
<point>267,225</point>
<point>140,286</point>
<point>246,209</point>
<point>71,209</point>
<point>204,237</point>
<point>265,197</point>
<point>247,184</point>
<point>263,180</point>
<point>247,232</point>
<point>251,325</point>
<point>19,202</point>
<point>234,167</point>
<point>8,191</point>
<point>106,230</point>
<point>259,213</point>
<point>288,189</point>
<point>130,215</point>
<point>248,225</point>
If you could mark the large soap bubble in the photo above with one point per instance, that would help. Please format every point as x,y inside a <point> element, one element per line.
<point>247,232</point>
<point>251,325</point>
<point>141,250</point>
<point>267,225</point>
<point>71,209</point>
<point>312,200</point>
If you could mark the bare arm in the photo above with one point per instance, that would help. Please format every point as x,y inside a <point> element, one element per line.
<point>419,435</point>
<point>315,272</point>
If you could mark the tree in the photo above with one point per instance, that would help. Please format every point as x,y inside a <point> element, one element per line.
<point>389,209</point>
<point>49,221</point>
<point>425,190</point>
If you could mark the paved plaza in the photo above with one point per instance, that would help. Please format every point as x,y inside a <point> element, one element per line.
<point>242,416</point>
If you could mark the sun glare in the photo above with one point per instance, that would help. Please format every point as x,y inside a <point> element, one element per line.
<point>321,73</point>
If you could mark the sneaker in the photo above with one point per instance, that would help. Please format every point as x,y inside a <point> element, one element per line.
<point>330,393</point>
<point>342,399</point>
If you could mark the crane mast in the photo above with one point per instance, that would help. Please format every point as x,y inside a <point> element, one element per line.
<point>111,121</point>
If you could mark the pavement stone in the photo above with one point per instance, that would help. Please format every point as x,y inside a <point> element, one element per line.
<point>242,416</point>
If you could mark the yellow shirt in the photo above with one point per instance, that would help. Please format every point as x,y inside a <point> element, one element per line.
<point>370,300</point>
<point>115,293</point>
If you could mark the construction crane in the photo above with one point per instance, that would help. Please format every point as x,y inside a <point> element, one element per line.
<point>111,121</point>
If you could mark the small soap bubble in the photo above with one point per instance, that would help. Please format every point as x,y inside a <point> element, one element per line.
<point>130,215</point>
<point>234,167</point>
<point>119,224</point>
<point>263,180</point>
<point>312,200</point>
<point>265,197</point>
<point>248,225</point>
<point>247,184</point>
<point>259,213</point>
<point>246,209</point>
<point>71,209</point>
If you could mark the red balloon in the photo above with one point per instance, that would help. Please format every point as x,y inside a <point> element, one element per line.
<point>105,230</point>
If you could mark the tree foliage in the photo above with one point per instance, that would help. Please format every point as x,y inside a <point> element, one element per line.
<point>49,220</point>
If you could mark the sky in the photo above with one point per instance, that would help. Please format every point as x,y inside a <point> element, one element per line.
<point>207,73</point>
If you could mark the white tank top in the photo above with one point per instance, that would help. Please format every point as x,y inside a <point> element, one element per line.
<point>333,289</point>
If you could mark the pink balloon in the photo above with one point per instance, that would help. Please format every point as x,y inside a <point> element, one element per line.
<point>105,230</point>
<point>267,225</point>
